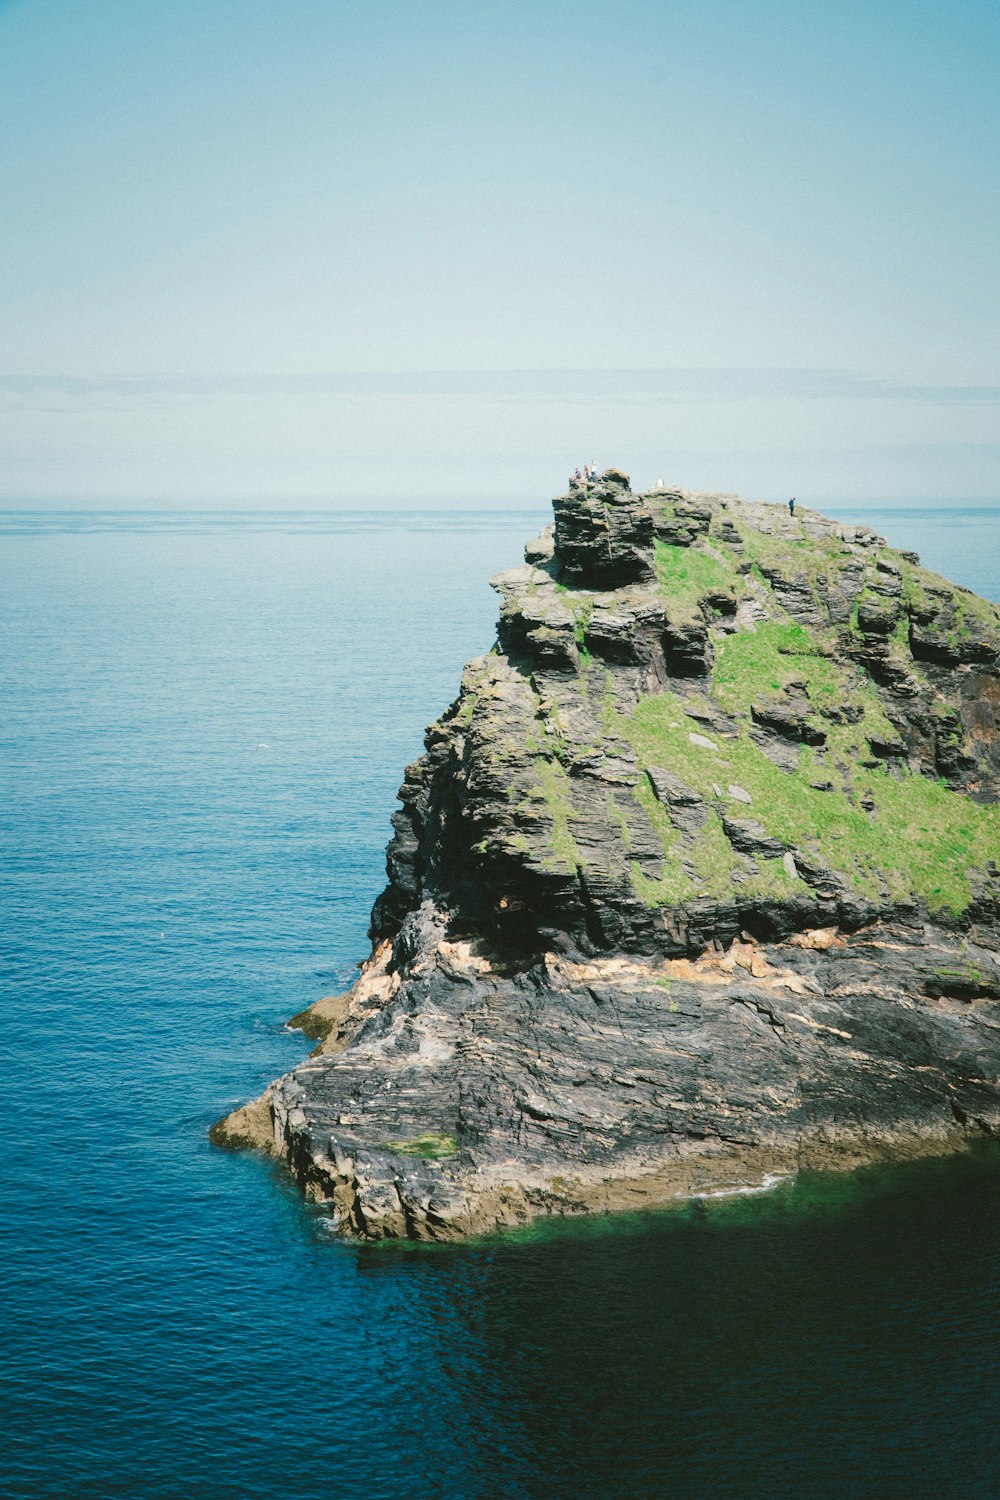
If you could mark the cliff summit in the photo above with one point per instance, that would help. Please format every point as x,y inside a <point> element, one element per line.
<point>696,882</point>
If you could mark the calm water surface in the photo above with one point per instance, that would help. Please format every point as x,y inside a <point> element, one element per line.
<point>204,721</point>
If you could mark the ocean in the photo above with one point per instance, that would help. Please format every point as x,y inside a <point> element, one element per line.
<point>204,718</point>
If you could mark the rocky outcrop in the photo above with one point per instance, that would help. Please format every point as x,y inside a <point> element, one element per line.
<point>696,881</point>
<point>604,534</point>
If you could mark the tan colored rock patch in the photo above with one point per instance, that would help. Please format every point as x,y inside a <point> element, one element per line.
<point>251,1127</point>
<point>818,939</point>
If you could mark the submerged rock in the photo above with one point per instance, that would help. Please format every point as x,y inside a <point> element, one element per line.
<point>696,881</point>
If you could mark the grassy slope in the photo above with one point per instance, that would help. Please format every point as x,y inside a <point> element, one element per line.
<point>888,833</point>
<point>917,838</point>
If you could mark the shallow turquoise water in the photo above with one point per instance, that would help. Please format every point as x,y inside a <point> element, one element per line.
<point>204,722</point>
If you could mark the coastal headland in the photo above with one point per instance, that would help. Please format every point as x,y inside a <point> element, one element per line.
<point>695,884</point>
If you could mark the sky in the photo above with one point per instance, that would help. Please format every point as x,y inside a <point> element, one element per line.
<point>342,252</point>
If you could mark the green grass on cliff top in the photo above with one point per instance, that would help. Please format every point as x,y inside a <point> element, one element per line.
<point>918,839</point>
<point>687,574</point>
<point>889,833</point>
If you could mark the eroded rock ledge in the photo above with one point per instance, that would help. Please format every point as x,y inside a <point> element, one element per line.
<point>696,882</point>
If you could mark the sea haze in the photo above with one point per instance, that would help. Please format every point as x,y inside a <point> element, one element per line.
<point>205,717</point>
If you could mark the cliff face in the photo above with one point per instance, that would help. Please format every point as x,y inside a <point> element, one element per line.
<point>695,881</point>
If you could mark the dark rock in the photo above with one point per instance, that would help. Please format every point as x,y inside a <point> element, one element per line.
<point>886,749</point>
<point>728,533</point>
<point>687,648</point>
<point>671,790</point>
<point>751,837</point>
<point>687,809</point>
<point>842,713</point>
<point>604,537</point>
<point>795,592</point>
<point>786,721</point>
<point>628,627</point>
<point>878,615</point>
<point>602,973</point>
<point>716,602</point>
<point>541,550</point>
<point>964,980</point>
<point>679,518</point>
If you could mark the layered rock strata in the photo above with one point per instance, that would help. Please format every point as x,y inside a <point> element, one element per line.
<point>696,881</point>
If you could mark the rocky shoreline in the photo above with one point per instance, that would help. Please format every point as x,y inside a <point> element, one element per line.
<point>695,884</point>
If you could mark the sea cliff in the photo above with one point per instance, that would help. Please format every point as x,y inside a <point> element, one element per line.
<point>695,882</point>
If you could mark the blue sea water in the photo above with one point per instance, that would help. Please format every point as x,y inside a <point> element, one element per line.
<point>203,721</point>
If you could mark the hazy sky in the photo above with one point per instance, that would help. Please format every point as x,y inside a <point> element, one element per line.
<point>316,251</point>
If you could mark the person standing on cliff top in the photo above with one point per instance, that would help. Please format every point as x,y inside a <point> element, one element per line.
<point>791,506</point>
